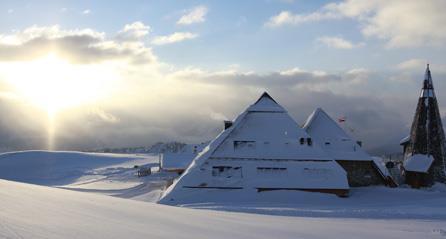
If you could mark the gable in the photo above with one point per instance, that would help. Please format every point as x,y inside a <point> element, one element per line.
<point>332,138</point>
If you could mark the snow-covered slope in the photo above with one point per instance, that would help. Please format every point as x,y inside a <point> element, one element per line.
<point>109,174</point>
<point>55,168</point>
<point>31,211</point>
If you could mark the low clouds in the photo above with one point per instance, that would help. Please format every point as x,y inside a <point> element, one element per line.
<point>78,45</point>
<point>399,23</point>
<point>155,101</point>
<point>173,38</point>
<point>195,15</point>
<point>338,42</point>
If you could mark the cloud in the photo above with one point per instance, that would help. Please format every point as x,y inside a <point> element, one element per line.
<point>158,102</point>
<point>338,42</point>
<point>78,45</point>
<point>288,18</point>
<point>86,12</point>
<point>412,64</point>
<point>195,15</point>
<point>173,38</point>
<point>133,32</point>
<point>400,23</point>
<point>10,11</point>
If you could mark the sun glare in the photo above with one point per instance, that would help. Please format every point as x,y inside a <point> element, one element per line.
<point>54,84</point>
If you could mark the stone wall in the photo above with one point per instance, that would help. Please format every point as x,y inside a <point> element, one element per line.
<point>361,173</point>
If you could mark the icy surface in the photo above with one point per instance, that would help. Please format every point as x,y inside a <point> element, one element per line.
<point>31,211</point>
<point>418,163</point>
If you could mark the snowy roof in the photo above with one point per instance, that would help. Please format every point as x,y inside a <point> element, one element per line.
<point>332,138</point>
<point>176,160</point>
<point>405,140</point>
<point>266,104</point>
<point>379,162</point>
<point>263,132</point>
<point>418,163</point>
<point>266,131</point>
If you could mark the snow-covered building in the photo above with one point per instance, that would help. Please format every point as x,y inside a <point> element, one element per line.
<point>361,168</point>
<point>424,148</point>
<point>179,161</point>
<point>264,149</point>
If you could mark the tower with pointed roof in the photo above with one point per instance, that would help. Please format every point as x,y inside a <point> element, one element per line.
<point>424,156</point>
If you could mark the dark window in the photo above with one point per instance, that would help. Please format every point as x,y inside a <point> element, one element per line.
<point>309,141</point>
<point>302,140</point>
<point>244,145</point>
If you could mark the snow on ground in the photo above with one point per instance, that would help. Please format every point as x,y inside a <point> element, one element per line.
<point>110,174</point>
<point>367,202</point>
<point>32,211</point>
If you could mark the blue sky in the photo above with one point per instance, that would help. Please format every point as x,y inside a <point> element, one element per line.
<point>89,74</point>
<point>233,33</point>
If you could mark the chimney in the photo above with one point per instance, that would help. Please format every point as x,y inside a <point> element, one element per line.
<point>228,123</point>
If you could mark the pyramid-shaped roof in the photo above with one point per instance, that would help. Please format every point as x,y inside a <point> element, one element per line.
<point>427,134</point>
<point>264,134</point>
<point>266,130</point>
<point>276,136</point>
<point>266,103</point>
<point>428,86</point>
<point>332,138</point>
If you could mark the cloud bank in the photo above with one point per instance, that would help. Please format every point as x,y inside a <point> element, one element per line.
<point>154,101</point>
<point>399,23</point>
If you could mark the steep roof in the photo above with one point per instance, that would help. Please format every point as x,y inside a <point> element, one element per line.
<point>266,130</point>
<point>332,138</point>
<point>428,85</point>
<point>263,131</point>
<point>418,163</point>
<point>427,134</point>
<point>266,103</point>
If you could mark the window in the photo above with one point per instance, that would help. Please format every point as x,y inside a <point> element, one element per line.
<point>271,170</point>
<point>302,141</point>
<point>244,145</point>
<point>309,141</point>
<point>227,171</point>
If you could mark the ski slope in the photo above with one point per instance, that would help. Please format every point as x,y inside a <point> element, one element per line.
<point>32,211</point>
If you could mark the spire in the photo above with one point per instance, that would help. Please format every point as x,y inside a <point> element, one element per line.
<point>428,87</point>
<point>427,134</point>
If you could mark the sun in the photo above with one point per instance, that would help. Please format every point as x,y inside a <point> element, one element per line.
<point>53,83</point>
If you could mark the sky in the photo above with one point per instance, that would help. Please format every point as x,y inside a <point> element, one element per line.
<point>80,75</point>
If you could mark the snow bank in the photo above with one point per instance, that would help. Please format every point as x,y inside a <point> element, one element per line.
<point>31,211</point>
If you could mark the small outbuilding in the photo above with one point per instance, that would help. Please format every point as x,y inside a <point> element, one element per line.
<point>416,170</point>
